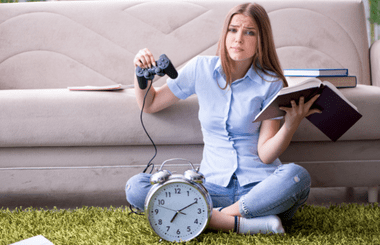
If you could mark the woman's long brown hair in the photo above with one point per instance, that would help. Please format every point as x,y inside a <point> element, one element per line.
<point>265,59</point>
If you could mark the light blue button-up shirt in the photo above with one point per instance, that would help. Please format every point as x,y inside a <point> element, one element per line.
<point>226,116</point>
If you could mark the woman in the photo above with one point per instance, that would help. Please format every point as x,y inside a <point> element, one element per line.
<point>240,160</point>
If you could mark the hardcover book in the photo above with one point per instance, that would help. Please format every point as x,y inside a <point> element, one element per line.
<point>315,72</point>
<point>339,82</point>
<point>338,114</point>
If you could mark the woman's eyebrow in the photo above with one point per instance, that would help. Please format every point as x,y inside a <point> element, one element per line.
<point>246,27</point>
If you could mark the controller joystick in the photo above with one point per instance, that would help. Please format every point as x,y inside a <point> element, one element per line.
<point>159,72</point>
<point>164,66</point>
<point>149,74</point>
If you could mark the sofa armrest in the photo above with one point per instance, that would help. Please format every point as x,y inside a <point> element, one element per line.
<point>375,63</point>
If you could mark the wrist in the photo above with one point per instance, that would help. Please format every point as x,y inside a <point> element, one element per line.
<point>292,125</point>
<point>290,128</point>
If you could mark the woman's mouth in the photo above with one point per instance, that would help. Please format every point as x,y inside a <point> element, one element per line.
<point>237,49</point>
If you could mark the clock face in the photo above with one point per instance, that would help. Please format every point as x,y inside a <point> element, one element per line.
<point>178,211</point>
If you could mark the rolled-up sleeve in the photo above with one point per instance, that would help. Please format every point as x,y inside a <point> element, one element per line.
<point>184,85</point>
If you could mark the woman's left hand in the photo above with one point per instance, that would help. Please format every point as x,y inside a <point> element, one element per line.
<point>297,113</point>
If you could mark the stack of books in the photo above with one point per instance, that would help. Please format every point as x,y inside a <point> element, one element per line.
<point>338,114</point>
<point>338,77</point>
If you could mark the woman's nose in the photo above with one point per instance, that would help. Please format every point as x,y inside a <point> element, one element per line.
<point>239,37</point>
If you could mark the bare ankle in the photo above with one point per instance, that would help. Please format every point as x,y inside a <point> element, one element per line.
<point>232,210</point>
<point>221,221</point>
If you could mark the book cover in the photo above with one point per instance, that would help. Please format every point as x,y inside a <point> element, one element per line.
<point>315,72</point>
<point>338,114</point>
<point>339,82</point>
<point>100,88</point>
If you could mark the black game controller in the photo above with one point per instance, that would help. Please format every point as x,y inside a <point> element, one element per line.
<point>164,66</point>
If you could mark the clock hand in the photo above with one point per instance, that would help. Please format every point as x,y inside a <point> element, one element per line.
<point>175,215</point>
<point>172,210</point>
<point>188,206</point>
<point>179,211</point>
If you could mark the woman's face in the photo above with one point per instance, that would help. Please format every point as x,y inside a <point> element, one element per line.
<point>241,40</point>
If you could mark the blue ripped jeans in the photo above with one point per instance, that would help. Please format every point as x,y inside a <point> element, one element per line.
<point>282,193</point>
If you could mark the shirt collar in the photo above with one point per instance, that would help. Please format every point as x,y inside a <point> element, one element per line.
<point>251,73</point>
<point>218,69</point>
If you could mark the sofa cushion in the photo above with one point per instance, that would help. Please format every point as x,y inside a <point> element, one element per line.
<point>59,117</point>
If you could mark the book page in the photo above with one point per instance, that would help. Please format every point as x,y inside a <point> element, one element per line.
<point>36,240</point>
<point>309,83</point>
<point>272,110</point>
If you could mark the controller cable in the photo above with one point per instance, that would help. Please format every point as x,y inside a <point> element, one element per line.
<point>132,209</point>
<point>146,132</point>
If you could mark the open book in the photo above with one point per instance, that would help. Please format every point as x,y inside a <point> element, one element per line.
<point>338,114</point>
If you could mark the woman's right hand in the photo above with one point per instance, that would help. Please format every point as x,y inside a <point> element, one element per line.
<point>144,58</point>
<point>158,99</point>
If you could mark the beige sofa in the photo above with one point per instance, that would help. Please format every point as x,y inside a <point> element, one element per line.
<point>54,141</point>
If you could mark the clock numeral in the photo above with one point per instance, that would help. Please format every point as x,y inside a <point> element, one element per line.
<point>177,190</point>
<point>168,194</point>
<point>196,221</point>
<point>188,229</point>
<point>156,211</point>
<point>178,232</point>
<point>160,222</point>
<point>168,228</point>
<point>161,202</point>
<point>199,211</point>
<point>196,200</point>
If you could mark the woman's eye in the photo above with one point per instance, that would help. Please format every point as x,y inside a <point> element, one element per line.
<point>250,33</point>
<point>247,33</point>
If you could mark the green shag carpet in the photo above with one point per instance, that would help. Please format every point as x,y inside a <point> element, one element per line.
<point>342,224</point>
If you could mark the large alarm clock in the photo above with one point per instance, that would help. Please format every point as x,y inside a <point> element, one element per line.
<point>178,207</point>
